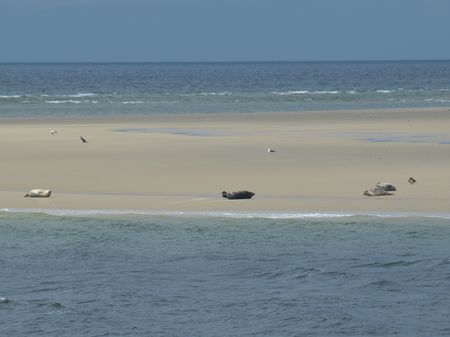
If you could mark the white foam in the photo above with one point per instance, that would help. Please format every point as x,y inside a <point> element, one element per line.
<point>385,91</point>
<point>332,92</point>
<point>10,96</point>
<point>306,92</point>
<point>224,214</point>
<point>82,95</point>
<point>438,100</point>
<point>225,93</point>
<point>298,92</point>
<point>70,101</point>
<point>132,102</point>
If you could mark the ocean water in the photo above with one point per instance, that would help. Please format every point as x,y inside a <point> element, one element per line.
<point>68,273</point>
<point>68,90</point>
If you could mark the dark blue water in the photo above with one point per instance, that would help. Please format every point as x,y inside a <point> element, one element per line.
<point>62,90</point>
<point>149,275</point>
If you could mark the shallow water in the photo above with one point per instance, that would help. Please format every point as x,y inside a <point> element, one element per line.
<point>159,275</point>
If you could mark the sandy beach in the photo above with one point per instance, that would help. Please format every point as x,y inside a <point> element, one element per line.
<point>324,161</point>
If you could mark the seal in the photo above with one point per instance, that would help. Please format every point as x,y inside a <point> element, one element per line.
<point>238,195</point>
<point>38,193</point>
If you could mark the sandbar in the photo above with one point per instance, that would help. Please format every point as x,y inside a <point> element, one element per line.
<point>324,161</point>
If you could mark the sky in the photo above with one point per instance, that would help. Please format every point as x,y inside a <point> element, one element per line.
<point>223,30</point>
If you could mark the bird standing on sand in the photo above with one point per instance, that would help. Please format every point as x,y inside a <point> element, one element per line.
<point>53,132</point>
<point>412,180</point>
<point>83,140</point>
<point>271,150</point>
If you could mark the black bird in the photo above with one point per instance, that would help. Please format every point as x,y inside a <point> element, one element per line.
<point>412,180</point>
<point>238,195</point>
<point>83,140</point>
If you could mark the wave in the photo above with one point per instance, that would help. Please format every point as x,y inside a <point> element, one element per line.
<point>133,97</point>
<point>307,92</point>
<point>335,92</point>
<point>70,101</point>
<point>384,284</point>
<point>437,100</point>
<point>299,92</point>
<point>82,95</point>
<point>225,214</point>
<point>399,263</point>
<point>225,93</point>
<point>10,96</point>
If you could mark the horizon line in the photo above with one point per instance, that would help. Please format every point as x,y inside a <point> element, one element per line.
<point>223,61</point>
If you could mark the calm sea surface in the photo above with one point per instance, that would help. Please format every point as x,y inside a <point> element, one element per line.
<point>61,90</point>
<point>153,275</point>
<point>69,273</point>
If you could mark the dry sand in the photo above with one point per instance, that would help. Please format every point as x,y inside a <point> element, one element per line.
<point>324,161</point>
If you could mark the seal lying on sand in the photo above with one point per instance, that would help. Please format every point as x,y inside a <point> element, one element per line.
<point>387,187</point>
<point>238,195</point>
<point>38,193</point>
<point>380,189</point>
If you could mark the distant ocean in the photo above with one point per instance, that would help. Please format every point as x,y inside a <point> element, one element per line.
<point>118,273</point>
<point>68,90</point>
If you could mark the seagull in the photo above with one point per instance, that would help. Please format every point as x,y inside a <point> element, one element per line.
<point>53,132</point>
<point>412,180</point>
<point>83,140</point>
<point>271,150</point>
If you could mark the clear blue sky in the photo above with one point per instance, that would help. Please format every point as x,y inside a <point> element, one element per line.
<point>223,30</point>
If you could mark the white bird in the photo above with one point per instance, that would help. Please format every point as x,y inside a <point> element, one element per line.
<point>53,132</point>
<point>271,150</point>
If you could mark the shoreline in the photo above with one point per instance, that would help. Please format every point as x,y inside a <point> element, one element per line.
<point>275,215</point>
<point>187,117</point>
<point>324,161</point>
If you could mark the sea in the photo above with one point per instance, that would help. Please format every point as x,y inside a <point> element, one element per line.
<point>111,89</point>
<point>116,272</point>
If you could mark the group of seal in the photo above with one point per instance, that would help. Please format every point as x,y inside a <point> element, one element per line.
<point>384,189</point>
<point>380,189</point>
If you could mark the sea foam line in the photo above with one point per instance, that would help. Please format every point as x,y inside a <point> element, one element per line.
<point>225,214</point>
<point>303,92</point>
